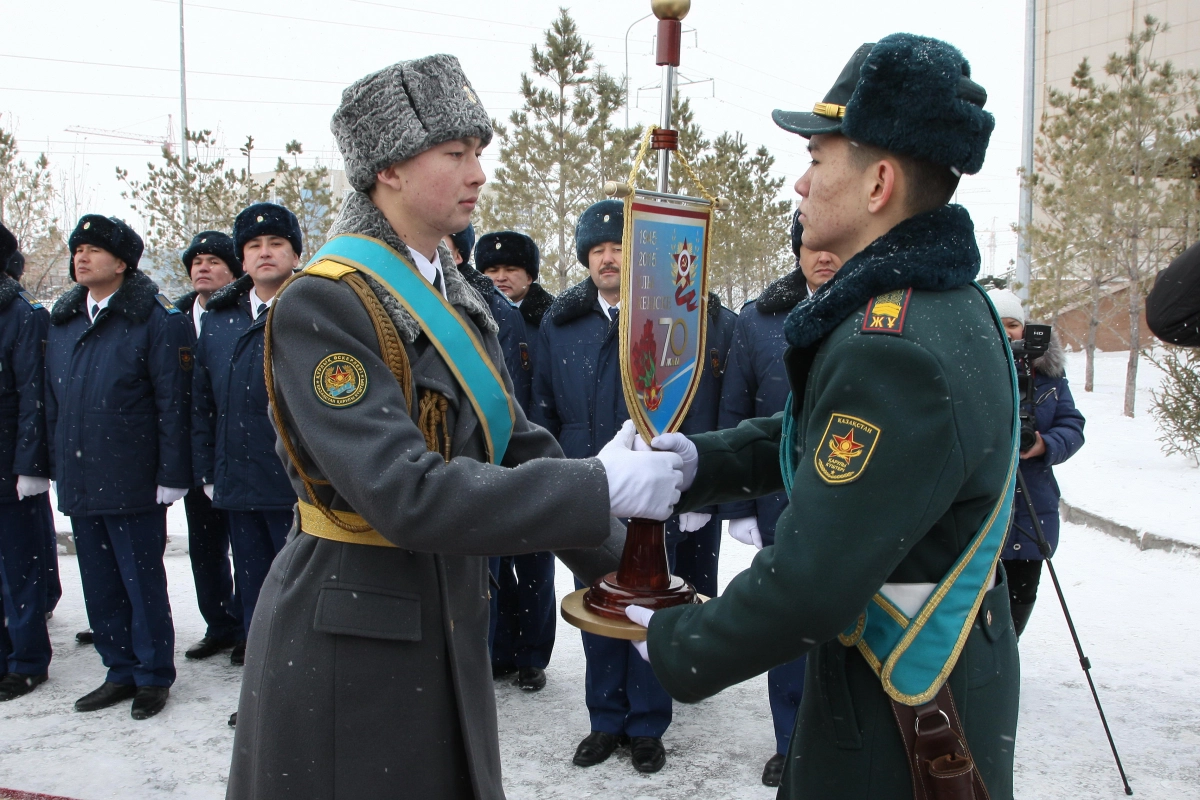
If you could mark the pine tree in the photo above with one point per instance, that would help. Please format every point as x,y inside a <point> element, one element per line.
<point>27,198</point>
<point>309,195</point>
<point>557,150</point>
<point>1177,402</point>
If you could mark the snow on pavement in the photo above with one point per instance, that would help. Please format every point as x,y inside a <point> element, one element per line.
<point>1123,599</point>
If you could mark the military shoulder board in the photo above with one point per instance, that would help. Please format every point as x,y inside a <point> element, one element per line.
<point>28,298</point>
<point>167,305</point>
<point>886,313</point>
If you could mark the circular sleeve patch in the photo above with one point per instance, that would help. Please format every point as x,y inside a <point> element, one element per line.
<point>340,380</point>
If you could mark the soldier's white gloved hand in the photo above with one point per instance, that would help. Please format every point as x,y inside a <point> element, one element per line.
<point>745,530</point>
<point>640,616</point>
<point>641,484</point>
<point>167,495</point>
<point>28,487</point>
<point>682,446</point>
<point>209,490</point>
<point>690,521</point>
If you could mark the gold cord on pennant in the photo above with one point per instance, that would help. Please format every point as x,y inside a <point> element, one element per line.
<point>688,169</point>
<point>641,155</point>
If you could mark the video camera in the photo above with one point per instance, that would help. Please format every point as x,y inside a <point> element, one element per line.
<point>1025,352</point>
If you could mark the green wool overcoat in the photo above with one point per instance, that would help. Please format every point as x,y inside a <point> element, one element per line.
<point>904,406</point>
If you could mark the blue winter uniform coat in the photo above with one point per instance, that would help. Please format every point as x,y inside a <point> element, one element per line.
<point>756,383</point>
<point>1061,426</point>
<point>23,326</point>
<point>513,335</point>
<point>118,399</point>
<point>233,441</point>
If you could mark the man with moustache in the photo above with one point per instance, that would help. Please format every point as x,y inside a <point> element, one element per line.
<point>212,263</point>
<point>233,443</point>
<point>367,669</point>
<point>756,385</point>
<point>118,391</point>
<point>898,450</point>
<point>578,397</point>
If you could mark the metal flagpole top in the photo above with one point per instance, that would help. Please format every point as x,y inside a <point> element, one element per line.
<point>671,9</point>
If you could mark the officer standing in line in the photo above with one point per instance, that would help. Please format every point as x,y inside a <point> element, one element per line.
<point>24,481</point>
<point>233,443</point>
<point>519,280</point>
<point>523,602</point>
<point>898,450</point>
<point>118,394</point>
<point>212,263</point>
<point>578,397</point>
<point>756,386</point>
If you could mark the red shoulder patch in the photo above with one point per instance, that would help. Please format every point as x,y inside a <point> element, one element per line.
<point>886,312</point>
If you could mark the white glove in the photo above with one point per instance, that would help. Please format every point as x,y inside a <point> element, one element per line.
<point>28,487</point>
<point>209,490</point>
<point>745,530</point>
<point>640,616</point>
<point>167,495</point>
<point>640,484</point>
<point>682,446</point>
<point>692,521</point>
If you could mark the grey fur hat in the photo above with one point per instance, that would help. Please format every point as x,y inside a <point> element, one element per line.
<point>403,110</point>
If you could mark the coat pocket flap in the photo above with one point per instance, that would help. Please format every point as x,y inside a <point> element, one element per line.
<point>369,612</point>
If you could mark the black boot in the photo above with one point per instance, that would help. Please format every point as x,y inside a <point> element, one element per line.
<point>531,679</point>
<point>773,771</point>
<point>208,646</point>
<point>1020,615</point>
<point>237,656</point>
<point>16,684</point>
<point>85,637</point>
<point>596,747</point>
<point>109,694</point>
<point>148,701</point>
<point>648,753</point>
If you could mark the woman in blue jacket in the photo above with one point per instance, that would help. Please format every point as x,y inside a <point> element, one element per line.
<point>1059,427</point>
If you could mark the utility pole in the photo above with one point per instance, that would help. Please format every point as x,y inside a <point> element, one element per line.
<point>183,87</point>
<point>627,89</point>
<point>1025,212</point>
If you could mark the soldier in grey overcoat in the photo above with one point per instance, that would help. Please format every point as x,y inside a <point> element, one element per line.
<point>367,672</point>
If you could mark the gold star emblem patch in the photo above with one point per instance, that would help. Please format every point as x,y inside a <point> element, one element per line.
<point>845,448</point>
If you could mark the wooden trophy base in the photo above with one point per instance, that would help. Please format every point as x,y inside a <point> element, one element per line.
<point>609,598</point>
<point>580,616</point>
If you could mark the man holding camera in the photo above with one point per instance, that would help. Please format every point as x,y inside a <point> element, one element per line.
<point>897,448</point>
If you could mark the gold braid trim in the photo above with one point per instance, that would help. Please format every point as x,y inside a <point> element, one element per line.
<point>433,418</point>
<point>390,346</point>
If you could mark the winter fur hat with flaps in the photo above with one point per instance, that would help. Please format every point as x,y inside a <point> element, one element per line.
<point>107,233</point>
<point>8,252</point>
<point>403,110</point>
<point>602,222</point>
<point>464,242</point>
<point>909,95</point>
<point>510,249</point>
<point>213,243</point>
<point>266,219</point>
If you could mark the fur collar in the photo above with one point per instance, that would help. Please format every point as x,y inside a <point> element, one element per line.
<point>481,283</point>
<point>535,305</point>
<point>359,215</point>
<point>229,295</point>
<point>783,294</point>
<point>934,252</point>
<point>1054,363</point>
<point>10,289</point>
<point>186,303</point>
<point>135,299</point>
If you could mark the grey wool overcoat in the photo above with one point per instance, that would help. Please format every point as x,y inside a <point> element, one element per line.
<point>367,670</point>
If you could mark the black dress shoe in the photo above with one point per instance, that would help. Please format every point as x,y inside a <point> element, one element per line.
<point>148,701</point>
<point>531,679</point>
<point>773,771</point>
<point>238,656</point>
<point>233,720</point>
<point>14,684</point>
<point>502,671</point>
<point>84,637</point>
<point>109,694</point>
<point>648,753</point>
<point>596,747</point>
<point>208,646</point>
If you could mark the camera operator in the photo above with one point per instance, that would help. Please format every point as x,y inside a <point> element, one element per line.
<point>1051,432</point>
<point>1173,307</point>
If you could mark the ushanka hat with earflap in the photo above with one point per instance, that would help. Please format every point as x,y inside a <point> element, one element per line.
<point>510,249</point>
<point>107,233</point>
<point>602,222</point>
<point>403,110</point>
<point>213,243</point>
<point>910,95</point>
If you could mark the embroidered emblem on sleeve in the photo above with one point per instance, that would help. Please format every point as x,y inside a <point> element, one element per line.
<point>845,448</point>
<point>886,312</point>
<point>340,380</point>
<point>186,359</point>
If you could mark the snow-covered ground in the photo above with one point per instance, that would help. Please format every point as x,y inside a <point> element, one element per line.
<point>1121,473</point>
<point>1131,609</point>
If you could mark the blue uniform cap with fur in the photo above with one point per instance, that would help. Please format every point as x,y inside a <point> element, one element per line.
<point>213,243</point>
<point>266,219</point>
<point>509,248</point>
<point>910,95</point>
<point>403,110</point>
<point>107,233</point>
<point>602,222</point>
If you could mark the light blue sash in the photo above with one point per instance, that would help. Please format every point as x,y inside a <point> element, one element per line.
<point>449,333</point>
<point>914,657</point>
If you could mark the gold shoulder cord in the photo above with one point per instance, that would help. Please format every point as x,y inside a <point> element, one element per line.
<point>432,408</point>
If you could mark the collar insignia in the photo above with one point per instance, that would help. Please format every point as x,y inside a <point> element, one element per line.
<point>886,312</point>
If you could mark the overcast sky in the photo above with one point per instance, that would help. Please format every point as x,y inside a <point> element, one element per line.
<point>276,70</point>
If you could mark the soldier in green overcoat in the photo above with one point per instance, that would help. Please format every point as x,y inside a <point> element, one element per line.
<point>897,446</point>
